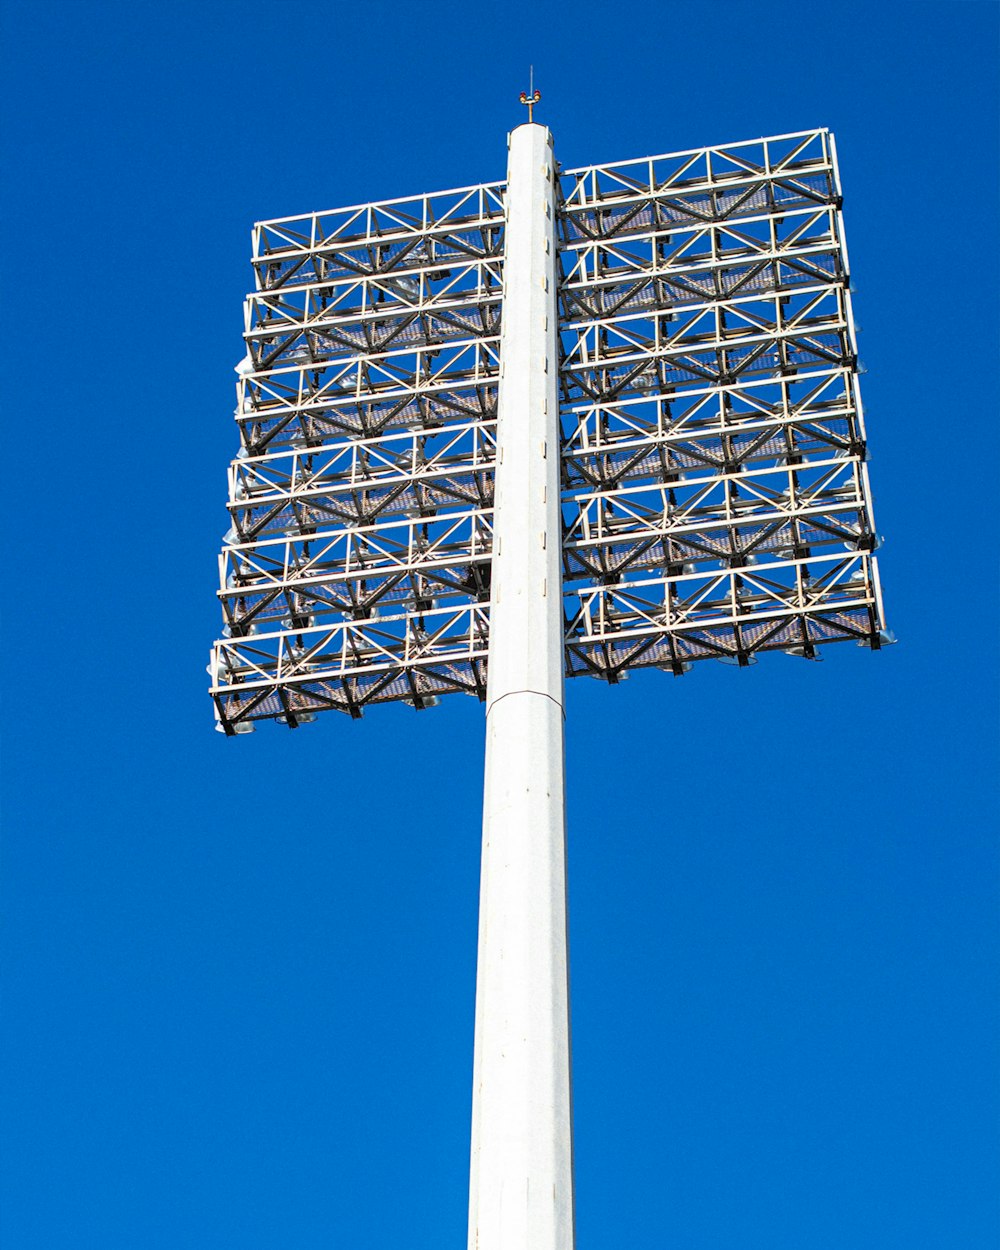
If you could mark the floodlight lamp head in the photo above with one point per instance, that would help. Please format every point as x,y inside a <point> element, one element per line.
<point>711,443</point>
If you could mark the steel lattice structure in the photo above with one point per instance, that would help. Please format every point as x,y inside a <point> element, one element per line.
<point>567,425</point>
<point>715,495</point>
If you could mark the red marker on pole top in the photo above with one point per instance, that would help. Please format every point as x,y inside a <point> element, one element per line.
<point>531,97</point>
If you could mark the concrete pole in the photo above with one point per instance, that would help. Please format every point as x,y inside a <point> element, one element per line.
<point>521,1194</point>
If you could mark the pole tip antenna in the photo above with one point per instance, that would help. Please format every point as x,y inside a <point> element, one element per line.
<point>531,96</point>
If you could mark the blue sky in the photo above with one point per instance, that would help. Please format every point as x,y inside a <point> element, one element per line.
<point>239,973</point>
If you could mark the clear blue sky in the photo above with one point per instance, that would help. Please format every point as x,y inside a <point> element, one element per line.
<point>239,973</point>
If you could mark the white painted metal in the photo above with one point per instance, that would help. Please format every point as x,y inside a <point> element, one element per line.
<point>715,493</point>
<point>521,1189</point>
<point>669,448</point>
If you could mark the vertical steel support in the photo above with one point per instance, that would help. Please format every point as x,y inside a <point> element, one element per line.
<point>521,1194</point>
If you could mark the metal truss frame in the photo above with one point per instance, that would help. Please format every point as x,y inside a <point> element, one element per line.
<point>716,501</point>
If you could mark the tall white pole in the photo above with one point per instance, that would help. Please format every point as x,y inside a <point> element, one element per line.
<point>521,1194</point>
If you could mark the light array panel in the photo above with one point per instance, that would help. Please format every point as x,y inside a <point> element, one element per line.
<point>715,500</point>
<point>356,569</point>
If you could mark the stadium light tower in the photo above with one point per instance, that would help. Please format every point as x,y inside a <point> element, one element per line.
<point>567,425</point>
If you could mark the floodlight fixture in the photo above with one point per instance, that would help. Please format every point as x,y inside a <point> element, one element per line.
<point>571,424</point>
